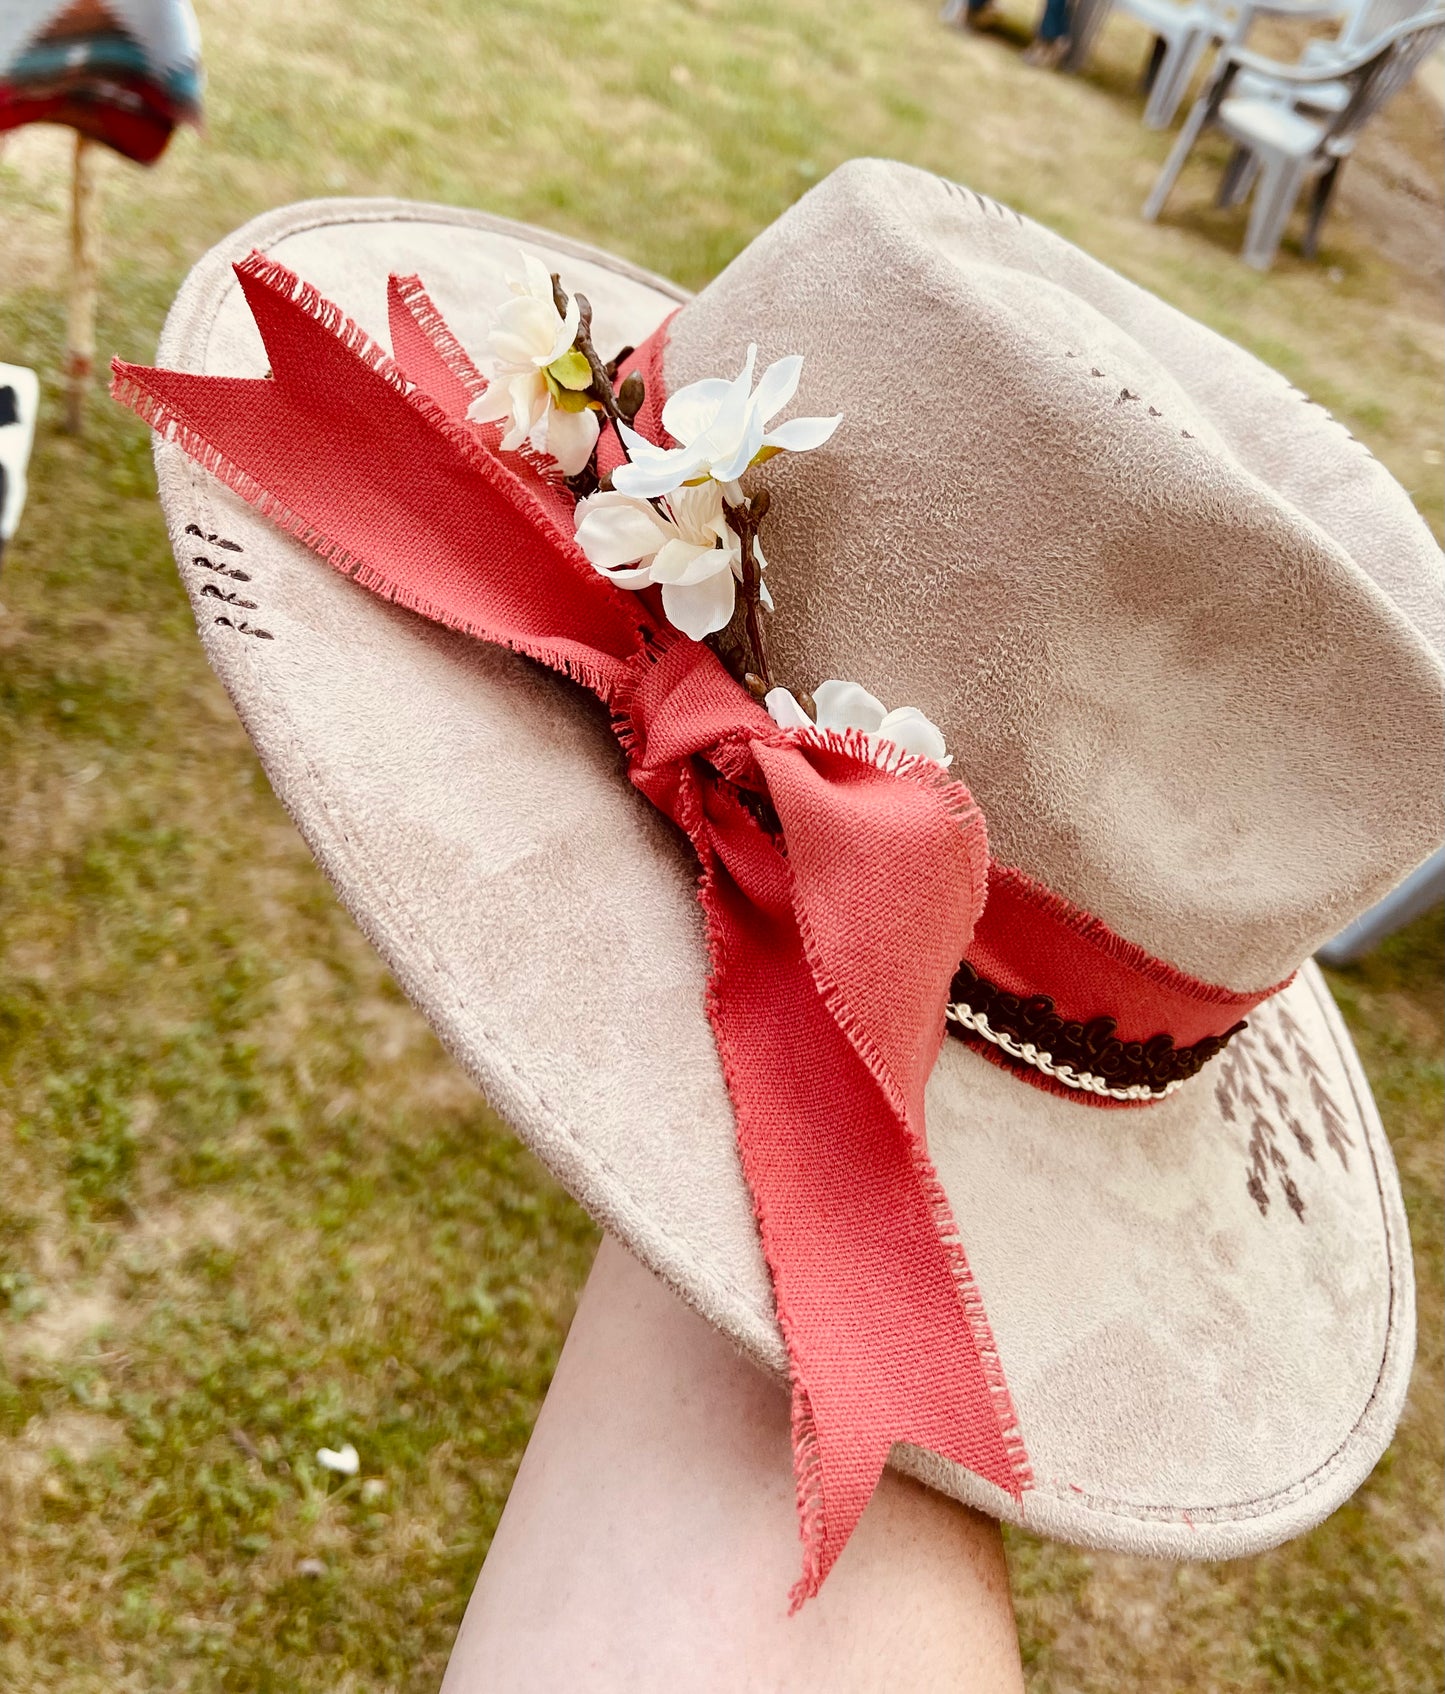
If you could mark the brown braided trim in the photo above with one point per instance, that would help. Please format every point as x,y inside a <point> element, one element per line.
<point>1084,1056</point>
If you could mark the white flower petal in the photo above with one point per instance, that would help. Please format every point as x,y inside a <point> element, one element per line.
<point>510,350</point>
<point>641,451</point>
<point>800,435</point>
<point>530,398</point>
<point>911,732</point>
<point>525,397</point>
<point>844,705</point>
<point>653,480</point>
<point>684,563</point>
<point>777,385</point>
<point>729,466</point>
<point>655,471</point>
<point>491,406</point>
<point>730,422</point>
<point>785,711</point>
<point>525,331</point>
<point>701,608</point>
<point>345,1461</point>
<point>614,530</point>
<point>689,412</point>
<point>538,279</point>
<point>698,514</point>
<point>568,437</point>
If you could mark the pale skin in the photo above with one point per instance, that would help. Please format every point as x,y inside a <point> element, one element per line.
<point>650,1540</point>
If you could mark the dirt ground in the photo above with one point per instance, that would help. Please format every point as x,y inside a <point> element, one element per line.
<point>1390,191</point>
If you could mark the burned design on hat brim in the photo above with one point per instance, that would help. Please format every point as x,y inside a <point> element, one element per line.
<point>1252,1091</point>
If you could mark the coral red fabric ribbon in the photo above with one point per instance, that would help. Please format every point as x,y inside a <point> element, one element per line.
<point>839,896</point>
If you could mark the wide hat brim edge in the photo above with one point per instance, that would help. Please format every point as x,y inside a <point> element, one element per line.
<point>400,934</point>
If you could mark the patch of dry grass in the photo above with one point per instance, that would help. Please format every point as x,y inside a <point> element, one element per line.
<point>247,1207</point>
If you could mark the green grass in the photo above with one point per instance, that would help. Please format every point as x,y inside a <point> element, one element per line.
<point>247,1207</point>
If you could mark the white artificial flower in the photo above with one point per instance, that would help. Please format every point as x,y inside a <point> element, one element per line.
<point>537,377</point>
<point>689,551</point>
<point>346,1462</point>
<point>721,428</point>
<point>844,705</point>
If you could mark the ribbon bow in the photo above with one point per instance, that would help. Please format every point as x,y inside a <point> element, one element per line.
<point>841,885</point>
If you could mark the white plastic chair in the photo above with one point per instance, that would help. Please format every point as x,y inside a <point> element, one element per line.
<point>1362,27</point>
<point>1183,32</point>
<point>1288,146</point>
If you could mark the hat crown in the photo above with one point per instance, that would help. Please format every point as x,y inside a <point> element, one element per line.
<point>1180,630</point>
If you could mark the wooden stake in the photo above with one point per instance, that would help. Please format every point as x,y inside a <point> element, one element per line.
<point>80,336</point>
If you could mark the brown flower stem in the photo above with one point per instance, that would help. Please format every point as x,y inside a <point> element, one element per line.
<point>752,621</point>
<point>601,390</point>
<point>743,520</point>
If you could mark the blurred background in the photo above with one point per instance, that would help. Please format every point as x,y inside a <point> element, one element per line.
<point>248,1209</point>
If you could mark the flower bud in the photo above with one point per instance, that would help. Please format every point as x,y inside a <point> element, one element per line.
<point>631,395</point>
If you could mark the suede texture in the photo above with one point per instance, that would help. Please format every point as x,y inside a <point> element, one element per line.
<point>1204,1308</point>
<point>1181,633</point>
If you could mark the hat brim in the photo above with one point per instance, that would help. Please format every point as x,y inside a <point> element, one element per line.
<point>1204,1308</point>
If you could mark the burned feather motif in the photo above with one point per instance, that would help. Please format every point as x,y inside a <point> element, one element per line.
<point>1263,1081</point>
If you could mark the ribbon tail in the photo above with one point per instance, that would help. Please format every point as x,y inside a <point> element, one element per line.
<point>425,347</point>
<point>835,1477</point>
<point>340,449</point>
<point>867,1272</point>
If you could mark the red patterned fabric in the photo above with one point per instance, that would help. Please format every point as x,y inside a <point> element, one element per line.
<point>122,72</point>
<point>1032,941</point>
<point>130,125</point>
<point>834,931</point>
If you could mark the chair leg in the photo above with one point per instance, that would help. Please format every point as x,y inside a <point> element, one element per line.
<point>1183,145</point>
<point>1174,81</point>
<point>1239,177</point>
<point>1158,53</point>
<point>1088,18</point>
<point>1274,198</point>
<point>1324,193</point>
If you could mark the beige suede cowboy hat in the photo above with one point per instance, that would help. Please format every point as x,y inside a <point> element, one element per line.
<point>1182,636</point>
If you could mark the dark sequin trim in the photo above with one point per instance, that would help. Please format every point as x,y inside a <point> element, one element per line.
<point>1086,1056</point>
